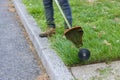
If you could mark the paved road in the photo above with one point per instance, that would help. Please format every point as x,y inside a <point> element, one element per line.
<point>16,59</point>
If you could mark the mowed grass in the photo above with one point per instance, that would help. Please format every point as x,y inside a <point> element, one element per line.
<point>100,20</point>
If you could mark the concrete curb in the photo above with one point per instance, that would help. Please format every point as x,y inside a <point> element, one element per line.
<point>52,63</point>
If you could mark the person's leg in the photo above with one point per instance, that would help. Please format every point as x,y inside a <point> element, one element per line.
<point>49,12</point>
<point>67,11</point>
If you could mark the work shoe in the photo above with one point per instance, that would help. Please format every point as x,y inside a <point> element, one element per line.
<point>49,32</point>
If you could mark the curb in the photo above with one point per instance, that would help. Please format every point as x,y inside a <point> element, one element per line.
<point>54,66</point>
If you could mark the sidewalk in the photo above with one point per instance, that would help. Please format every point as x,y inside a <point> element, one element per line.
<point>99,71</point>
<point>53,64</point>
<point>16,58</point>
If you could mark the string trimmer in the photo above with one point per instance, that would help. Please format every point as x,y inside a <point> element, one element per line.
<point>74,34</point>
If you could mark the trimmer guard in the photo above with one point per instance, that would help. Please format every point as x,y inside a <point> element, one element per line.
<point>75,35</point>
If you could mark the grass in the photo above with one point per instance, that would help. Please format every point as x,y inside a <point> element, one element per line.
<point>100,20</point>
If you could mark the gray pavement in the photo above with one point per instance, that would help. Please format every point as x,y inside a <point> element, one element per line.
<point>16,59</point>
<point>98,71</point>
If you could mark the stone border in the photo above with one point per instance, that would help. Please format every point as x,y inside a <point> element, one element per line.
<point>52,63</point>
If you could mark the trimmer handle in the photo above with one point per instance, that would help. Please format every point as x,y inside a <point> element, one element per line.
<point>57,3</point>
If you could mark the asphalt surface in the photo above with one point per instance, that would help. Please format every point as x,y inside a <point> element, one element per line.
<point>16,59</point>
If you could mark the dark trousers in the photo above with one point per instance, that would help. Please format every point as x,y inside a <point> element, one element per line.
<point>49,12</point>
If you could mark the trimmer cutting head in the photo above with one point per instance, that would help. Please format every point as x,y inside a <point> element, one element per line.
<point>75,35</point>
<point>84,54</point>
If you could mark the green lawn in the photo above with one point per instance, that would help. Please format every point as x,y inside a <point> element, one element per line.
<point>100,20</point>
